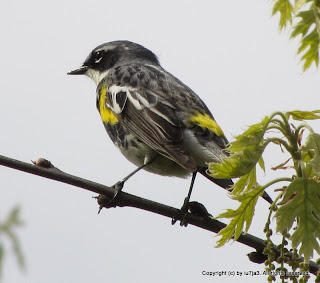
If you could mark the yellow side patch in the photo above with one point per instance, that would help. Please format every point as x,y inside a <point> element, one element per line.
<point>204,120</point>
<point>106,114</point>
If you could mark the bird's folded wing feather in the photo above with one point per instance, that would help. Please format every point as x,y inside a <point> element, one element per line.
<point>151,118</point>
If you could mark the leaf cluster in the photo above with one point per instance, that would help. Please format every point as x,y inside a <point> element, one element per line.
<point>297,206</point>
<point>307,14</point>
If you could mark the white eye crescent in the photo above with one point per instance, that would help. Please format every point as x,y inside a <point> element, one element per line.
<point>98,56</point>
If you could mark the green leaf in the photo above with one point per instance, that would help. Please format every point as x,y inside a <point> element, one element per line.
<point>236,165</point>
<point>244,184</point>
<point>306,18</point>
<point>7,229</point>
<point>1,259</point>
<point>316,11</point>
<point>247,191</point>
<point>298,4</point>
<point>251,137</point>
<point>246,151</point>
<point>310,40</point>
<point>303,26</point>
<point>18,251</point>
<point>240,217</point>
<point>301,205</point>
<point>311,55</point>
<point>312,148</point>
<point>285,9</point>
<point>303,115</point>
<point>241,184</point>
<point>14,217</point>
<point>261,164</point>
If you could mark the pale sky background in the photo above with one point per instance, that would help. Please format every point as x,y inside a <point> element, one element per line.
<point>229,52</point>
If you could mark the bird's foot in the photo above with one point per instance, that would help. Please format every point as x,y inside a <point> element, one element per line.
<point>117,189</point>
<point>182,214</point>
<point>107,202</point>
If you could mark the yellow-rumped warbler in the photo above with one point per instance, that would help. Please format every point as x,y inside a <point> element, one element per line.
<point>156,121</point>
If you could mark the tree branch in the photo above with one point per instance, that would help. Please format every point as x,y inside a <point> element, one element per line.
<point>47,170</point>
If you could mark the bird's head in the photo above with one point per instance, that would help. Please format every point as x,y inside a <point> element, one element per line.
<point>108,55</point>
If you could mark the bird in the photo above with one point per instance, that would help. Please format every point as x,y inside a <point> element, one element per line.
<point>156,121</point>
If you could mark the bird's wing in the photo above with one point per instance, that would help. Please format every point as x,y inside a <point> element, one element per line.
<point>151,120</point>
<point>152,104</point>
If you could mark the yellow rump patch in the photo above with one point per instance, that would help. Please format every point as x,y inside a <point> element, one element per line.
<point>204,120</point>
<point>106,114</point>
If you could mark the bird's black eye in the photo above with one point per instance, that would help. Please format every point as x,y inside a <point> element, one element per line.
<point>98,56</point>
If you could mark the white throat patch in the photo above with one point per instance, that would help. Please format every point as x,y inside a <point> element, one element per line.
<point>96,76</point>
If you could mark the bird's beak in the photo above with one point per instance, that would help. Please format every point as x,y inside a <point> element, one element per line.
<point>79,71</point>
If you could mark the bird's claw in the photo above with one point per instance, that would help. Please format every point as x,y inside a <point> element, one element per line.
<point>182,214</point>
<point>103,201</point>
<point>117,189</point>
<point>108,202</point>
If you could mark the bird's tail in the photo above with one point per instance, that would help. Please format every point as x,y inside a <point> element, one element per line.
<point>227,183</point>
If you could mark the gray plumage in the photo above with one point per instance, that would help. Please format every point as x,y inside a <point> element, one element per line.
<point>156,117</point>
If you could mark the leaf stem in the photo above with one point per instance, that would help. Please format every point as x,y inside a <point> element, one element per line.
<point>292,146</point>
<point>284,179</point>
<point>277,127</point>
<point>280,141</point>
<point>301,126</point>
<point>285,123</point>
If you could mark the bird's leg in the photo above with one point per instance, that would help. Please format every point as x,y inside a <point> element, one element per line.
<point>119,185</point>
<point>185,206</point>
<point>117,189</point>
